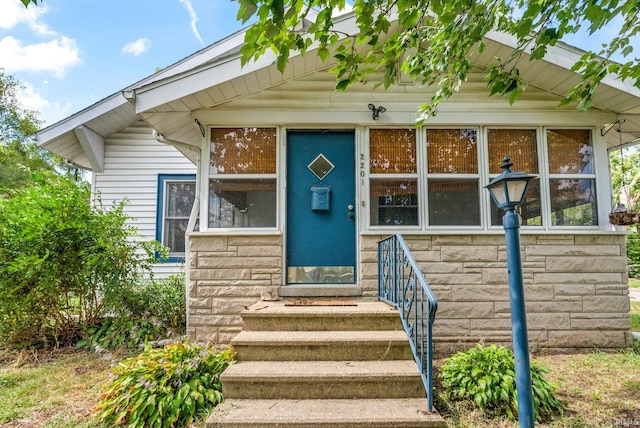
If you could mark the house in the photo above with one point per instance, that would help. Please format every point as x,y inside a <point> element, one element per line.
<point>293,184</point>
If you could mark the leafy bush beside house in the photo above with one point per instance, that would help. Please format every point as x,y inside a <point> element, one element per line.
<point>63,262</point>
<point>150,311</point>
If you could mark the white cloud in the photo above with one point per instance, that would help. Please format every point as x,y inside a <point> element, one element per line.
<point>194,19</point>
<point>137,47</point>
<point>30,99</point>
<point>54,56</point>
<point>13,12</point>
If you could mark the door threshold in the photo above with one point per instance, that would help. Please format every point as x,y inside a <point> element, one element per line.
<point>320,290</point>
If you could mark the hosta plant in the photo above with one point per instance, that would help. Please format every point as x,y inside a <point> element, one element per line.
<point>166,387</point>
<point>486,377</point>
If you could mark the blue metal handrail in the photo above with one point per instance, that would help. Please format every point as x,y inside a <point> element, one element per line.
<point>401,284</point>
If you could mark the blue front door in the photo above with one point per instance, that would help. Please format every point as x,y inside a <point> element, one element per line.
<point>321,234</point>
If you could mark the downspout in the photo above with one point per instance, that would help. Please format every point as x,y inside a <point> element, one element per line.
<point>193,216</point>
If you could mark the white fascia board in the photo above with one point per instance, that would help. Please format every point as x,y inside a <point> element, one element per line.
<point>201,57</point>
<point>80,118</point>
<point>93,145</point>
<point>173,88</point>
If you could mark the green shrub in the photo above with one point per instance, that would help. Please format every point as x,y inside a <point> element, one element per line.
<point>152,311</point>
<point>62,260</point>
<point>486,377</point>
<point>165,387</point>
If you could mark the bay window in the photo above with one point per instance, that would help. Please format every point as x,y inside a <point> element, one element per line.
<point>242,178</point>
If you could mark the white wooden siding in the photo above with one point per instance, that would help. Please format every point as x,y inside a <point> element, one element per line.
<point>133,160</point>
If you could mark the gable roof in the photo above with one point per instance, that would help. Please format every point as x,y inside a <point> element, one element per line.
<point>214,75</point>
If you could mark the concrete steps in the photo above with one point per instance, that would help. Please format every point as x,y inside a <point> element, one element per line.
<point>322,366</point>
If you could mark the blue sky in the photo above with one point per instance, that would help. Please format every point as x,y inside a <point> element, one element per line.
<point>72,53</point>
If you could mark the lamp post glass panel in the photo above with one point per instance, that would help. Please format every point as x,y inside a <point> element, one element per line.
<point>508,191</point>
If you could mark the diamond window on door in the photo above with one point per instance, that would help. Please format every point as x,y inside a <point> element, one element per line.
<point>321,166</point>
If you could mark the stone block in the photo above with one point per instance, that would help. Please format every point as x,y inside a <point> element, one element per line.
<point>611,304</point>
<point>450,327</point>
<point>261,277</point>
<point>490,240</point>
<point>276,279</point>
<point>418,243</point>
<point>587,339</point>
<point>542,306</point>
<point>538,292</point>
<point>465,310</point>
<point>555,239</point>
<point>574,289</point>
<point>548,321</point>
<point>576,250</point>
<point>370,242</point>
<point>277,270</point>
<point>200,303</point>
<point>586,264</point>
<point>612,289</point>
<point>208,243</point>
<point>601,323</point>
<point>450,279</point>
<point>238,262</point>
<point>464,254</point>
<point>607,239</point>
<point>215,320</point>
<point>231,291</point>
<point>425,256</point>
<point>576,278</point>
<point>251,240</point>
<point>429,268</point>
<point>456,240</point>
<point>495,276</point>
<point>482,325</point>
<point>232,305</point>
<point>206,334</point>
<point>260,251</point>
<point>369,256</point>
<point>220,274</point>
<point>479,293</point>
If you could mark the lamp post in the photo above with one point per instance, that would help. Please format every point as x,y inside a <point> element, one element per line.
<point>508,191</point>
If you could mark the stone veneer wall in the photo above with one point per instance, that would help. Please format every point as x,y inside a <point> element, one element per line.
<point>575,288</point>
<point>227,274</point>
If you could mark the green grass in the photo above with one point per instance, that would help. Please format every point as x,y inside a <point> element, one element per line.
<point>58,393</point>
<point>634,283</point>
<point>635,316</point>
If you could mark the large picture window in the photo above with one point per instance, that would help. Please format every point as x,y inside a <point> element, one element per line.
<point>242,178</point>
<point>452,177</point>
<point>572,181</point>
<point>393,172</point>
<point>176,194</point>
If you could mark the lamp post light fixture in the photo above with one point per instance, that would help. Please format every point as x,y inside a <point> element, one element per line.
<point>508,191</point>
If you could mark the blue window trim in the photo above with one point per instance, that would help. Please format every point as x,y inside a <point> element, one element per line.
<point>160,208</point>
